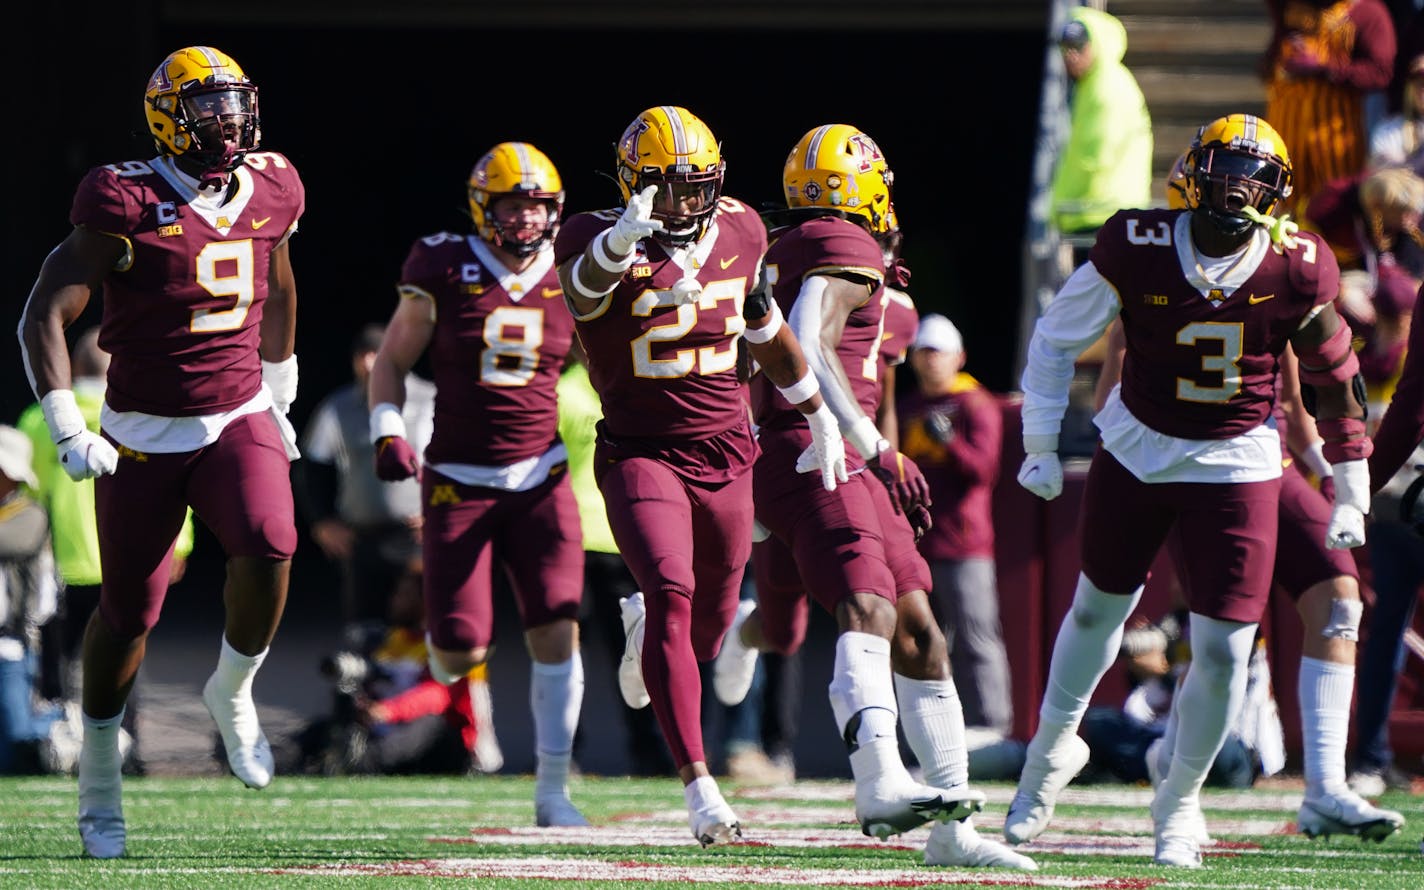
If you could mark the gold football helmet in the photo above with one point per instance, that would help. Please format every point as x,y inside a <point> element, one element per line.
<point>519,169</point>
<point>670,147</point>
<point>1177,184</point>
<point>1235,162</point>
<point>839,168</point>
<point>202,108</point>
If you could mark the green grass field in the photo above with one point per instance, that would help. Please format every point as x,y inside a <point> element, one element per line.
<point>433,832</point>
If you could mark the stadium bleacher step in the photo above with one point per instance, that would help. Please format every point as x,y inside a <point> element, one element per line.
<point>1195,60</point>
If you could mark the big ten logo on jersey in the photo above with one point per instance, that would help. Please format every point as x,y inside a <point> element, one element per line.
<point>472,279</point>
<point>167,215</point>
<point>1155,300</point>
<point>1157,236</point>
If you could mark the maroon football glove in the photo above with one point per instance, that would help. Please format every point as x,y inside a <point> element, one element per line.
<point>1327,488</point>
<point>395,459</point>
<point>909,492</point>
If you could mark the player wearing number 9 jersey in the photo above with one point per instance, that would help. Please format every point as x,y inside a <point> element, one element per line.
<point>489,308</point>
<point>1209,298</point>
<point>659,290</point>
<point>190,252</point>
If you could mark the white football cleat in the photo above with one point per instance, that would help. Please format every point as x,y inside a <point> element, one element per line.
<point>248,753</point>
<point>1346,813</point>
<point>1042,780</point>
<point>557,811</point>
<point>735,666</point>
<point>715,823</point>
<point>630,669</point>
<point>957,843</point>
<point>1177,825</point>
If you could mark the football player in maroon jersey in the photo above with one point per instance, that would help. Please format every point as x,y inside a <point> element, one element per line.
<point>488,306</point>
<point>854,548</point>
<point>190,252</point>
<point>1323,582</point>
<point>1209,300</point>
<point>659,288</point>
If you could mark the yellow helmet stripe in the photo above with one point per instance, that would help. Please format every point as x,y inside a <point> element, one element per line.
<point>213,58</point>
<point>1248,126</point>
<point>525,164</point>
<point>680,146</point>
<point>813,148</point>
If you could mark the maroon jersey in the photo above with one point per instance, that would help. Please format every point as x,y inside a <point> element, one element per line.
<point>1205,367</point>
<point>665,371</point>
<point>182,310</point>
<point>827,245</point>
<point>499,344</point>
<point>902,320</point>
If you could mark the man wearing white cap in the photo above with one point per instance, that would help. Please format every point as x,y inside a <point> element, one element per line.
<point>28,596</point>
<point>951,427</point>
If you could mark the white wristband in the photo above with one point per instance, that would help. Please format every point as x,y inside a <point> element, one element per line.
<point>604,258</point>
<point>1314,459</point>
<point>1041,444</point>
<point>763,334</point>
<point>801,390</point>
<point>62,415</point>
<point>1352,484</point>
<point>386,420</point>
<point>865,437</point>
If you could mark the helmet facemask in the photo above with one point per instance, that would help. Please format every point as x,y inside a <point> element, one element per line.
<point>514,237</point>
<point>685,201</point>
<point>1228,181</point>
<point>215,126</point>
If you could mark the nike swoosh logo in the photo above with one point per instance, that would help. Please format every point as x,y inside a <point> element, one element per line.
<point>1253,299</point>
<point>550,292</point>
<point>259,223</point>
<point>727,262</point>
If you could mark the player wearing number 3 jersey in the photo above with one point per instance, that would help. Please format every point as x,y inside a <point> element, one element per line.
<point>1209,298</point>
<point>659,290</point>
<point>494,487</point>
<point>190,251</point>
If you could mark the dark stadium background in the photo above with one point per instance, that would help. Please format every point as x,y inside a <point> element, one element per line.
<point>384,117</point>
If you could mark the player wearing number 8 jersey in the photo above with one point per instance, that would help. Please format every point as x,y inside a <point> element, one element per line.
<point>190,250</point>
<point>1209,298</point>
<point>489,308</point>
<point>659,290</point>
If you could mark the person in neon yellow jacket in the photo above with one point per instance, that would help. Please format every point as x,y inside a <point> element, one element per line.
<point>75,535</point>
<point>1106,161</point>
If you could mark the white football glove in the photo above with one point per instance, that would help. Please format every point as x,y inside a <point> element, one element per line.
<point>281,380</point>
<point>86,455</point>
<point>635,224</point>
<point>1042,474</point>
<point>686,292</point>
<point>827,450</point>
<point>1352,500</point>
<point>83,454</point>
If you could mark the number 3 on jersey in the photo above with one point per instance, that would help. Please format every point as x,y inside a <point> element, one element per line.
<point>1231,336</point>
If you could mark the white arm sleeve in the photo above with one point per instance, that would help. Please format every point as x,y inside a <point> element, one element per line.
<point>805,323</point>
<point>1074,319</point>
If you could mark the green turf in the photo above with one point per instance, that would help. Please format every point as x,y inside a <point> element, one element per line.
<point>201,833</point>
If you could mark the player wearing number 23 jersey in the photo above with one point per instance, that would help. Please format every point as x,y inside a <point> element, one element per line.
<point>659,290</point>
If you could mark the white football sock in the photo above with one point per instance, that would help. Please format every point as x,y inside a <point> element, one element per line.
<point>233,675</point>
<point>933,721</point>
<point>1086,646</point>
<point>861,680</point>
<point>555,699</point>
<point>1326,688</point>
<point>100,761</point>
<point>1209,699</point>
